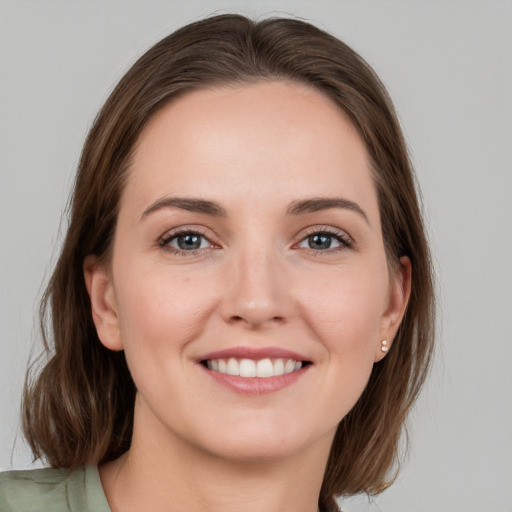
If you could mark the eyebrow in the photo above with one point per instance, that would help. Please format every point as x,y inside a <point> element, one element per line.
<point>191,205</point>
<point>298,207</point>
<point>324,203</point>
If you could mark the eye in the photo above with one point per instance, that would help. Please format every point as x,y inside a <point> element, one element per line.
<point>325,241</point>
<point>187,241</point>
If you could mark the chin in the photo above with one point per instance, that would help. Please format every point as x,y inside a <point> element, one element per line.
<point>264,439</point>
<point>245,451</point>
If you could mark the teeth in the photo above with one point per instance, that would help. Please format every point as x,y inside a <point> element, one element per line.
<point>263,368</point>
<point>247,368</point>
<point>289,366</point>
<point>233,367</point>
<point>278,367</point>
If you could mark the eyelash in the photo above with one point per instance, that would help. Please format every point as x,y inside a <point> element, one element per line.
<point>169,237</point>
<point>344,240</point>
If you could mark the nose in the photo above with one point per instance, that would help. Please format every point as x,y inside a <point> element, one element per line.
<point>257,294</point>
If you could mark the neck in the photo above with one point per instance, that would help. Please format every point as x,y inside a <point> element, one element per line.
<point>165,474</point>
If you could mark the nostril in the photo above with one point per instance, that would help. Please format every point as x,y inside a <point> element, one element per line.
<point>236,319</point>
<point>254,321</point>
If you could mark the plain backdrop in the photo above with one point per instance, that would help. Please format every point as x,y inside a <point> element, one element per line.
<point>448,67</point>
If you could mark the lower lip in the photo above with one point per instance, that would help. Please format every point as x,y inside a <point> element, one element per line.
<point>256,385</point>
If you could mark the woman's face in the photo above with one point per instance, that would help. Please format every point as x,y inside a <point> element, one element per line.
<point>248,241</point>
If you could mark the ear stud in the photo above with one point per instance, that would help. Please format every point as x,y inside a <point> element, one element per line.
<point>384,345</point>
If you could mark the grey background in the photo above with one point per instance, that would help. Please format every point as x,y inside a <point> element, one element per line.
<point>448,68</point>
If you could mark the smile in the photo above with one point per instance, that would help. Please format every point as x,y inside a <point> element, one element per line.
<point>249,368</point>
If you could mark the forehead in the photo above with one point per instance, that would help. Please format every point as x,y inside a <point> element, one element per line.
<point>264,138</point>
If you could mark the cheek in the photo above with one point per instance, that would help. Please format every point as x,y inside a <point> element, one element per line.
<point>346,309</point>
<point>160,310</point>
<point>346,318</point>
<point>160,314</point>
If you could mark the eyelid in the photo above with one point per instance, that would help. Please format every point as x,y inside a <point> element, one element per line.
<point>173,233</point>
<point>346,241</point>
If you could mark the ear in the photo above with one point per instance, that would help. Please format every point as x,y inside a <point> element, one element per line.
<point>103,303</point>
<point>399,292</point>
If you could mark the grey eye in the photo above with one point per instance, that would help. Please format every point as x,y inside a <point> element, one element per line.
<point>320,241</point>
<point>189,241</point>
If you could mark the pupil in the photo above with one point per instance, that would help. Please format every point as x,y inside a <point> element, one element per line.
<point>320,241</point>
<point>190,241</point>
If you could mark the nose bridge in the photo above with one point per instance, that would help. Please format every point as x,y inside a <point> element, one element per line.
<point>257,289</point>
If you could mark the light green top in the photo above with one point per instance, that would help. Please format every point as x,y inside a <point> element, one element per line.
<point>52,490</point>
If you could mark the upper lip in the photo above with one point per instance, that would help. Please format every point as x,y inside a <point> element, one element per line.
<point>255,353</point>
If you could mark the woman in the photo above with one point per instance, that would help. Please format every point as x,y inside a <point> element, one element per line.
<point>242,313</point>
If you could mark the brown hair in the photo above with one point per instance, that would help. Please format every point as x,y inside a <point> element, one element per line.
<point>79,409</point>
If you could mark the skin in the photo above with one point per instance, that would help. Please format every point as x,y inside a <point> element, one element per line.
<point>255,281</point>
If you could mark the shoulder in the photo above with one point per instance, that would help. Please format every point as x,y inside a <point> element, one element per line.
<point>42,489</point>
<point>52,490</point>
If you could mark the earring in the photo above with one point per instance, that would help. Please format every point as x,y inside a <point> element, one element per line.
<point>384,345</point>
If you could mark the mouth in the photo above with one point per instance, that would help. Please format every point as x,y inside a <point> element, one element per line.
<point>254,368</point>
